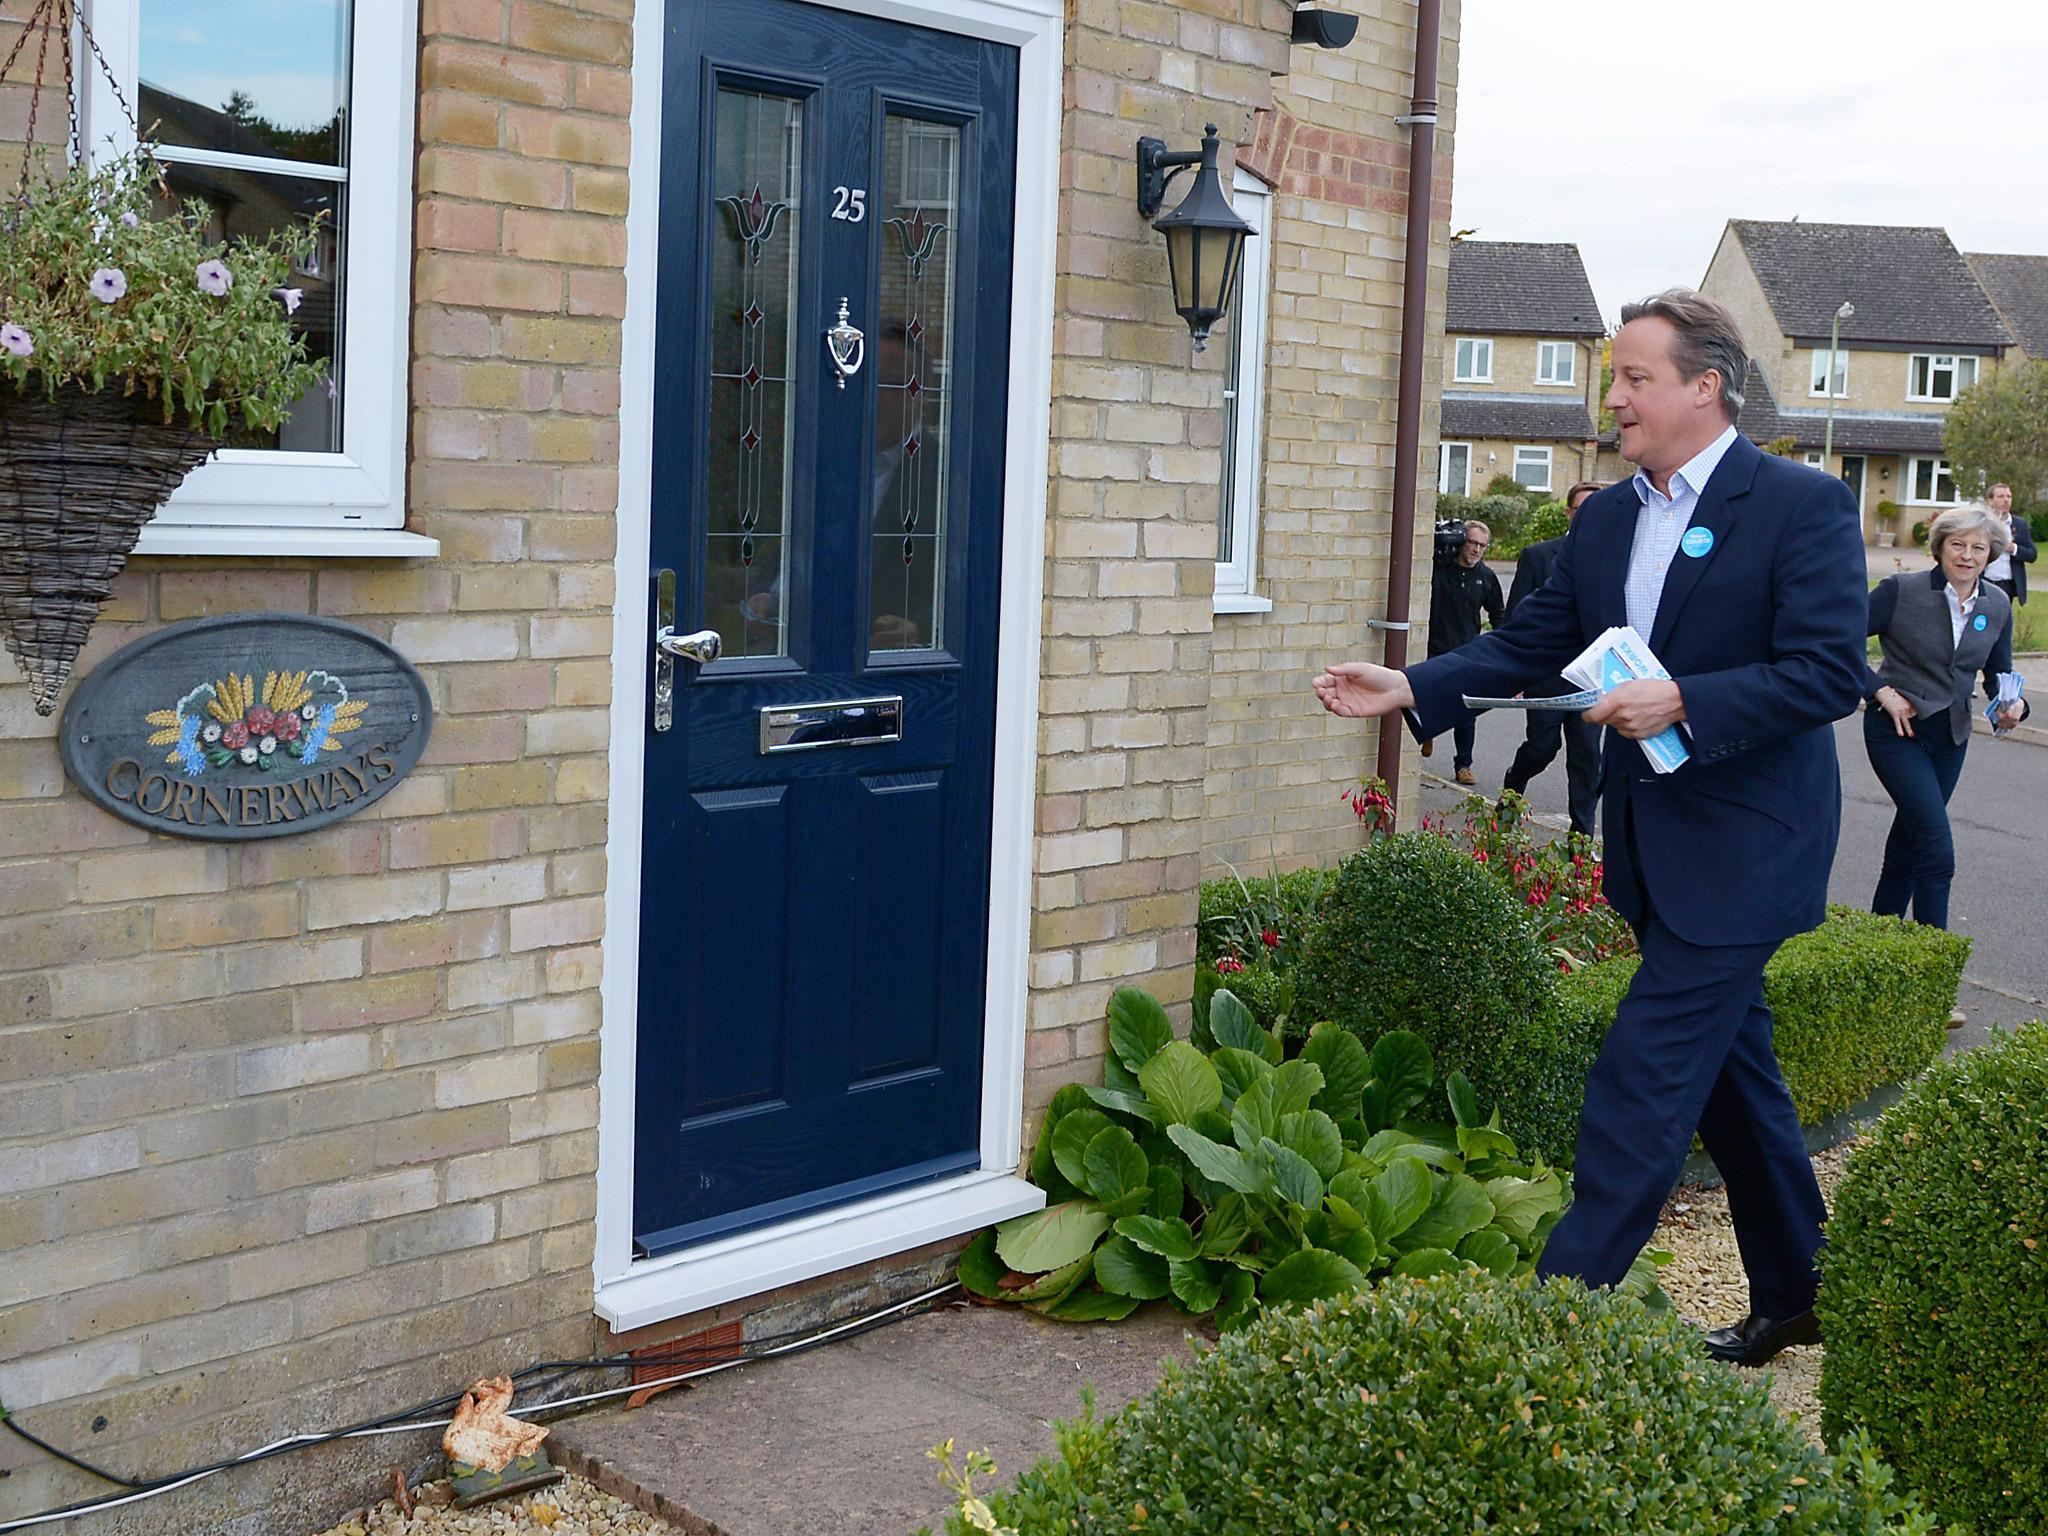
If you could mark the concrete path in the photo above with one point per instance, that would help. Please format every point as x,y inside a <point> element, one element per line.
<point>834,1440</point>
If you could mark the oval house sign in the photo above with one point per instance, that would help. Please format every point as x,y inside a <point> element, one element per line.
<point>258,725</point>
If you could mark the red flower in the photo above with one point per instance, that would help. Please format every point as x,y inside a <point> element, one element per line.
<point>1479,854</point>
<point>260,720</point>
<point>235,737</point>
<point>1229,965</point>
<point>285,727</point>
<point>1270,939</point>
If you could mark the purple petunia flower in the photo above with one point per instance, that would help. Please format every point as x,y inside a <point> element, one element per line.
<point>108,284</point>
<point>16,340</point>
<point>129,220</point>
<point>289,297</point>
<point>215,278</point>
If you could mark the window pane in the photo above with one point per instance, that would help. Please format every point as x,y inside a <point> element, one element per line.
<point>1226,520</point>
<point>914,388</point>
<point>1966,373</point>
<point>1482,359</point>
<point>255,204</point>
<point>251,77</point>
<point>1532,468</point>
<point>756,177</point>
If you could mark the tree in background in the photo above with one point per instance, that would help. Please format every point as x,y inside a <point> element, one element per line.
<point>1998,431</point>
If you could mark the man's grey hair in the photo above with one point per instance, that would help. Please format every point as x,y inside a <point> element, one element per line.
<point>1971,517</point>
<point>1708,337</point>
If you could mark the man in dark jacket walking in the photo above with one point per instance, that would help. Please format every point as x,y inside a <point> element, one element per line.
<point>1547,727</point>
<point>1460,591</point>
<point>2008,572</point>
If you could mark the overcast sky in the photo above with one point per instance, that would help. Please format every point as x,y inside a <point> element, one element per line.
<point>1637,129</point>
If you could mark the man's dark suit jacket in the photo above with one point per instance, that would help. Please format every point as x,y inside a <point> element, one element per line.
<point>1532,570</point>
<point>2022,556</point>
<point>1764,635</point>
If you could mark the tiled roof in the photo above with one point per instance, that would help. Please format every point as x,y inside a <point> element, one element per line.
<point>1515,287</point>
<point>1762,421</point>
<point>1909,285</point>
<point>1518,416</point>
<point>2018,286</point>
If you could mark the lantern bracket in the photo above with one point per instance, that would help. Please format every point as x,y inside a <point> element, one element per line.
<point>1157,165</point>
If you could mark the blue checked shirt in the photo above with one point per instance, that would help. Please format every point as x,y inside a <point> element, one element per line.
<point>1661,522</point>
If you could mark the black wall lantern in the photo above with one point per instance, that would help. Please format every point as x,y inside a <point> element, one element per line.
<point>1204,235</point>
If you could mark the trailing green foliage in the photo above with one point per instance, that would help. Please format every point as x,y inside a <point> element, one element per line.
<point>1416,935</point>
<point>1250,936</point>
<point>1223,1175</point>
<point>105,285</point>
<point>1860,1002</point>
<point>1547,520</point>
<point>1454,1402</point>
<point>1934,1295</point>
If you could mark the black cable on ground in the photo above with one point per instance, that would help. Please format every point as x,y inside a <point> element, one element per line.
<point>787,1342</point>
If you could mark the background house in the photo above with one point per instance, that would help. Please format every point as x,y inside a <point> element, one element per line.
<point>1923,330</point>
<point>2018,289</point>
<point>1522,345</point>
<point>300,1131</point>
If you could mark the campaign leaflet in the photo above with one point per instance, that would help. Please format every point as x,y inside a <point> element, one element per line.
<point>2012,687</point>
<point>1623,656</point>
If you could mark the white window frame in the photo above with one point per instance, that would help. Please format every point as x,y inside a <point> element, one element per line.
<point>1484,373</point>
<point>1237,574</point>
<point>1941,467</point>
<point>1547,352</point>
<point>268,502</point>
<point>1953,361</point>
<point>1443,469</point>
<point>1816,384</point>
<point>1534,453</point>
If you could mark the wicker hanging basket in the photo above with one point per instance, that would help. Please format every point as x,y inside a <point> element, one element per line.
<point>79,476</point>
<point>81,473</point>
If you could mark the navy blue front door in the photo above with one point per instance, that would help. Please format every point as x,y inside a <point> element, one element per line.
<point>815,862</point>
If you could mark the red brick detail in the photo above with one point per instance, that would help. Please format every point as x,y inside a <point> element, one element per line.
<point>674,1356</point>
<point>1273,130</point>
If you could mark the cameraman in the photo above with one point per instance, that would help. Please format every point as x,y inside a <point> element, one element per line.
<point>1460,591</point>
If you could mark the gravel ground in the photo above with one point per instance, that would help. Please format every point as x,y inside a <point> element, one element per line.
<point>1705,1282</point>
<point>571,1507</point>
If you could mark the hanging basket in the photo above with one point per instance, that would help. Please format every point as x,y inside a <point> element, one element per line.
<point>79,477</point>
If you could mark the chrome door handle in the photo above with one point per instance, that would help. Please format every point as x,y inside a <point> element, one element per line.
<point>847,346</point>
<point>700,647</point>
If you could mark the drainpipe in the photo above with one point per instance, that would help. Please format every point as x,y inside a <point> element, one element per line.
<point>1421,125</point>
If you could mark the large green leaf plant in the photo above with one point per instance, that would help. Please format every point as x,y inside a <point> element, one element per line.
<point>1219,1174</point>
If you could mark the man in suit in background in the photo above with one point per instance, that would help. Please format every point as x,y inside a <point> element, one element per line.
<point>2009,571</point>
<point>1746,575</point>
<point>1547,728</point>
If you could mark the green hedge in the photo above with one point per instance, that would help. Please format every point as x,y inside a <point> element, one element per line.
<point>1934,1298</point>
<point>1415,935</point>
<point>1860,1002</point>
<point>1450,1404</point>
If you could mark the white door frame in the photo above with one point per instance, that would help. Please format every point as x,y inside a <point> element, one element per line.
<point>630,1294</point>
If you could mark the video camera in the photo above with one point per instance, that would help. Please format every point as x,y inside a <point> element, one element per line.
<point>1450,538</point>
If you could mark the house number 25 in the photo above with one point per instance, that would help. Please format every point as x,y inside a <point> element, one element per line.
<point>852,205</point>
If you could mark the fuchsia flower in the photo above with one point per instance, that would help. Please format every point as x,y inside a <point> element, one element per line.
<point>215,278</point>
<point>108,284</point>
<point>289,297</point>
<point>16,340</point>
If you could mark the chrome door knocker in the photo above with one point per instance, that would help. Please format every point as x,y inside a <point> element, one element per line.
<point>847,346</point>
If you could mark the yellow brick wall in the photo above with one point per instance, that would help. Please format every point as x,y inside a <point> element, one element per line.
<point>301,1130</point>
<point>1276,764</point>
<point>1569,461</point>
<point>1514,367</point>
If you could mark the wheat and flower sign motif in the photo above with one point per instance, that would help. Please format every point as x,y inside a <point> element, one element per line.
<point>255,725</point>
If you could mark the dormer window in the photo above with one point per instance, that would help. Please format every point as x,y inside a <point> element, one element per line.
<point>1473,361</point>
<point>1939,375</point>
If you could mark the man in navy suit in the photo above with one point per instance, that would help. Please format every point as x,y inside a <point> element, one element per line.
<point>1746,574</point>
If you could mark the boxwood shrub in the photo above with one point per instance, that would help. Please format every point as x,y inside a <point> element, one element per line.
<point>1450,1403</point>
<point>1934,1294</point>
<point>1415,935</point>
<point>1859,1002</point>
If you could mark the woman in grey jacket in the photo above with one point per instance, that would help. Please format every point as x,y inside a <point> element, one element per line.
<point>1939,629</point>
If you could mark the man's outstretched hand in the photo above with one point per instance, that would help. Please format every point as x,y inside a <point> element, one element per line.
<point>1361,690</point>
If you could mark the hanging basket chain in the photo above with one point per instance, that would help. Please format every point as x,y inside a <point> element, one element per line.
<point>59,16</point>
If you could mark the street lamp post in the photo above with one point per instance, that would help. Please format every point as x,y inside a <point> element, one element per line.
<point>1827,440</point>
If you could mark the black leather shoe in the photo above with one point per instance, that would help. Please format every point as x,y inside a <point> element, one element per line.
<point>1756,1340</point>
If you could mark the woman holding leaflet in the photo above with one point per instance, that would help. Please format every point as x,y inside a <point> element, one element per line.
<point>1938,629</point>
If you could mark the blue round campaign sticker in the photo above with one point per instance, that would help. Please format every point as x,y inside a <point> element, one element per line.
<point>1697,541</point>
<point>1982,622</point>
